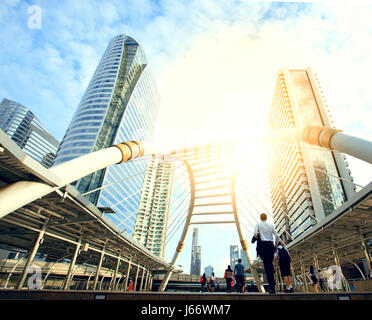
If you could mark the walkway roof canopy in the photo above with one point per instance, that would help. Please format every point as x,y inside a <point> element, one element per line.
<point>71,218</point>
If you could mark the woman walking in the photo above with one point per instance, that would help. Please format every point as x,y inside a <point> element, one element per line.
<point>212,281</point>
<point>314,279</point>
<point>229,278</point>
<point>285,266</point>
<point>203,282</point>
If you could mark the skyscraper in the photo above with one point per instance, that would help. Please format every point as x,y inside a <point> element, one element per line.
<point>234,255</point>
<point>195,267</point>
<point>304,182</point>
<point>120,104</point>
<point>22,126</point>
<point>153,211</point>
<point>208,270</point>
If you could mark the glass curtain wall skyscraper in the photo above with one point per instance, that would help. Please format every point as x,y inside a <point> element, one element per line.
<point>26,130</point>
<point>120,104</point>
<point>195,267</point>
<point>304,180</point>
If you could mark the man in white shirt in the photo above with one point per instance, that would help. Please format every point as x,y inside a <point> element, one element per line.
<point>269,243</point>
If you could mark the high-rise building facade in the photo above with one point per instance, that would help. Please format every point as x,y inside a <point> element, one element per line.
<point>234,255</point>
<point>22,126</point>
<point>120,104</point>
<point>153,211</point>
<point>304,182</point>
<point>195,267</point>
<point>208,270</point>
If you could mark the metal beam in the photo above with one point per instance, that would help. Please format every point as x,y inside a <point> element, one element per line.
<point>71,221</point>
<point>213,222</point>
<point>214,195</point>
<point>66,283</point>
<point>213,204</point>
<point>211,213</point>
<point>31,257</point>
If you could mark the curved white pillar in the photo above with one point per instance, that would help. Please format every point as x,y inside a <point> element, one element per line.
<point>18,194</point>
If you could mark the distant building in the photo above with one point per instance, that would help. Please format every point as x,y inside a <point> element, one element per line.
<point>195,254</point>
<point>208,270</point>
<point>153,211</point>
<point>234,255</point>
<point>303,179</point>
<point>22,126</point>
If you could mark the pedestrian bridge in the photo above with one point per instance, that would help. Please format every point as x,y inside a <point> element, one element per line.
<point>169,297</point>
<point>42,214</point>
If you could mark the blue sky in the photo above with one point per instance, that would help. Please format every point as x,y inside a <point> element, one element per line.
<point>209,59</point>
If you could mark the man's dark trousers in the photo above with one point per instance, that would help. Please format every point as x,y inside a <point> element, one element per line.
<point>239,283</point>
<point>267,255</point>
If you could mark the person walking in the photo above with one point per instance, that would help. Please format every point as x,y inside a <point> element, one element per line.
<point>131,284</point>
<point>321,281</point>
<point>229,278</point>
<point>314,279</point>
<point>203,282</point>
<point>212,281</point>
<point>285,266</point>
<point>266,232</point>
<point>239,276</point>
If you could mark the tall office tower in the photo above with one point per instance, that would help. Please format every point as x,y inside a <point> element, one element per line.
<point>120,104</point>
<point>234,255</point>
<point>21,125</point>
<point>195,267</point>
<point>153,210</point>
<point>208,270</point>
<point>244,259</point>
<point>304,182</point>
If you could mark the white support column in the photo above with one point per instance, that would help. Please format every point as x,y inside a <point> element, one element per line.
<point>329,138</point>
<point>66,284</point>
<point>356,147</point>
<point>126,280</point>
<point>365,250</point>
<point>335,255</point>
<point>99,267</point>
<point>113,282</point>
<point>136,279</point>
<point>334,139</point>
<point>338,263</point>
<point>142,277</point>
<point>18,194</point>
<point>294,283</point>
<point>303,275</point>
<point>151,280</point>
<point>31,257</point>
<point>147,280</point>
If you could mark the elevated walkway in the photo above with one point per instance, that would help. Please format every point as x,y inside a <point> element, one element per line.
<point>167,296</point>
